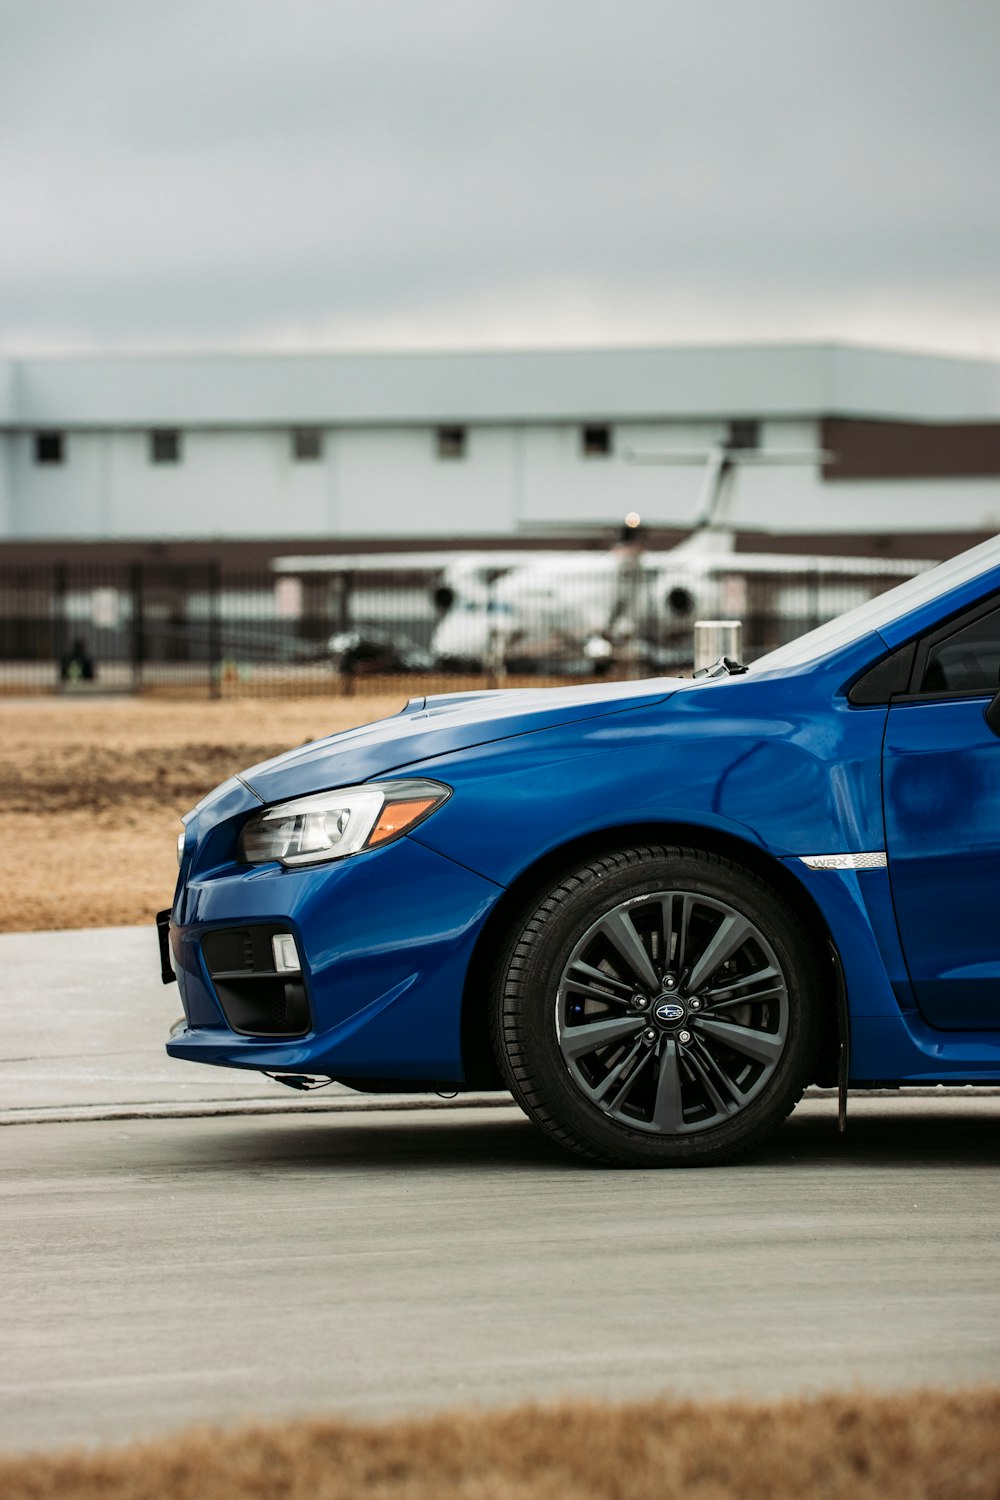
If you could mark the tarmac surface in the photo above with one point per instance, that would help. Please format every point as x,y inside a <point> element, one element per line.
<point>160,1266</point>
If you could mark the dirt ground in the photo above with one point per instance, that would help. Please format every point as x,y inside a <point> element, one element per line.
<point>92,790</point>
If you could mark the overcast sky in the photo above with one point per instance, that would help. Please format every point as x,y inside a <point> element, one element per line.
<point>331,174</point>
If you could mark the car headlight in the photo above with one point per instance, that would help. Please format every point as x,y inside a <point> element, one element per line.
<point>332,825</point>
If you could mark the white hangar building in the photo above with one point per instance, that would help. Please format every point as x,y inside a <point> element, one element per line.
<point>371,449</point>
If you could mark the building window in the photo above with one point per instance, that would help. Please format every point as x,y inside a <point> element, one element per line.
<point>595,440</point>
<point>48,448</point>
<point>743,434</point>
<point>307,445</point>
<point>451,442</point>
<point>165,446</point>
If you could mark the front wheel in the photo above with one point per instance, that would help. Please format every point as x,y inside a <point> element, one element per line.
<point>660,1006</point>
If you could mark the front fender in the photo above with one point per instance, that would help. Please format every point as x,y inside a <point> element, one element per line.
<point>789,784</point>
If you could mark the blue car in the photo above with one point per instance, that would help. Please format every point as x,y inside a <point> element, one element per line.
<point>654,911</point>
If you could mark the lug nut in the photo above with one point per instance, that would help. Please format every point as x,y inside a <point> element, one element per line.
<point>694,1005</point>
<point>684,1036</point>
<point>649,1035</point>
<point>639,1002</point>
<point>669,980</point>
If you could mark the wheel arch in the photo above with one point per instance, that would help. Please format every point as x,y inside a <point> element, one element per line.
<point>479,1065</point>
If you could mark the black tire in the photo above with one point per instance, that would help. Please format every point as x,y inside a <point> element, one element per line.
<point>708,997</point>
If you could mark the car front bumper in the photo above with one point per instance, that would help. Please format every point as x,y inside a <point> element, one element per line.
<point>384,940</point>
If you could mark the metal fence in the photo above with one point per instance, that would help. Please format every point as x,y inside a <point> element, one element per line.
<point>208,630</point>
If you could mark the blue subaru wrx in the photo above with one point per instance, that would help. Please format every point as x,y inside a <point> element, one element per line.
<point>655,911</point>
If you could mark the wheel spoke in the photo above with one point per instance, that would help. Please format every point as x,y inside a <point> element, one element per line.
<point>577,1041</point>
<point>676,908</point>
<point>762,1046</point>
<point>623,1093</point>
<point>614,1077</point>
<point>619,929</point>
<point>729,937</point>
<point>720,991</point>
<point>719,1088</point>
<point>668,1114</point>
<point>576,988</point>
<point>586,980</point>
<point>709,1007</point>
<point>669,926</point>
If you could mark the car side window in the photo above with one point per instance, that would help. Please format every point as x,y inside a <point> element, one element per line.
<point>967,661</point>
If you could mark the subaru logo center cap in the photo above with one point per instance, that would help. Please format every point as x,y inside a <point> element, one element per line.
<point>668,1010</point>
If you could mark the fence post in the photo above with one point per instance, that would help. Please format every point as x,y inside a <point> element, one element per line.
<point>715,638</point>
<point>59,619</point>
<point>138,644</point>
<point>344,625</point>
<point>214,632</point>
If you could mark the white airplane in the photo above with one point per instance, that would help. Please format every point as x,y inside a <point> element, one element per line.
<point>631,606</point>
<point>600,609</point>
<point>623,609</point>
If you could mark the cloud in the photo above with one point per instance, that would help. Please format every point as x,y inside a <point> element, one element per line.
<point>230,171</point>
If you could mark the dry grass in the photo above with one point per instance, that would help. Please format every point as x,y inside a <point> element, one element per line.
<point>932,1446</point>
<point>91,792</point>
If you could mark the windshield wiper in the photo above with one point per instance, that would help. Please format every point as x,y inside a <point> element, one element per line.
<point>724,667</point>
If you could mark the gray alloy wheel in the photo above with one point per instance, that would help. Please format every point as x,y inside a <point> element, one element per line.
<point>658,1006</point>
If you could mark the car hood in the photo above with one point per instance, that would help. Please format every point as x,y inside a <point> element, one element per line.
<point>429,727</point>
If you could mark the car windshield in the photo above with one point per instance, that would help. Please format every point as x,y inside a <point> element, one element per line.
<point>877,612</point>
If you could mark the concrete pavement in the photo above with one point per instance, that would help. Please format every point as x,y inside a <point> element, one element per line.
<point>163,1271</point>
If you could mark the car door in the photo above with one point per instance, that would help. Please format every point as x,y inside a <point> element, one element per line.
<point>941,790</point>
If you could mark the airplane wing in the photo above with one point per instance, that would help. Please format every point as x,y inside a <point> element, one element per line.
<point>335,564</point>
<point>726,564</point>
